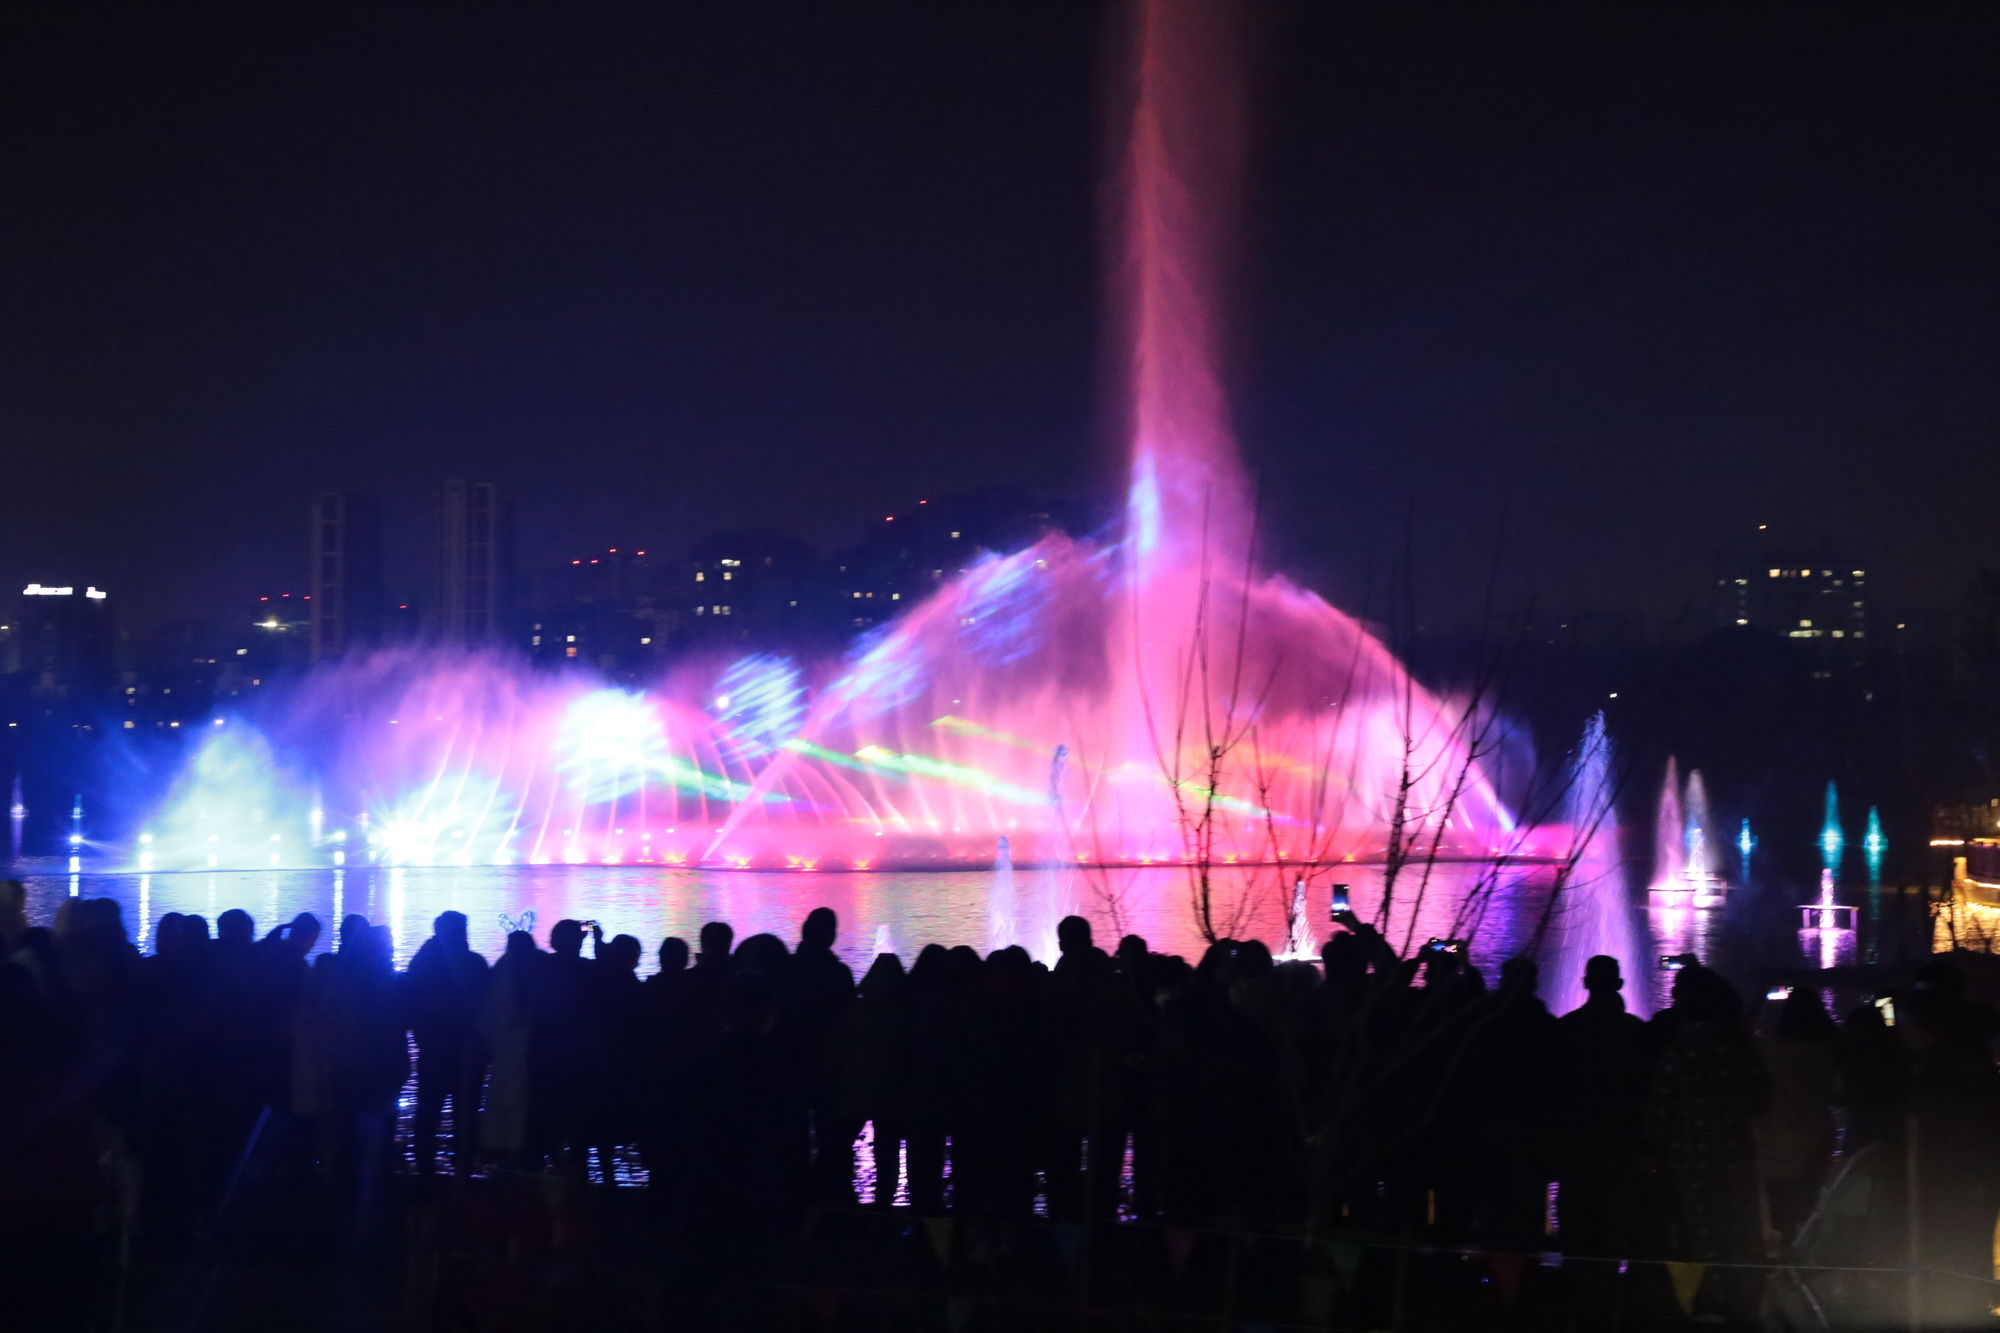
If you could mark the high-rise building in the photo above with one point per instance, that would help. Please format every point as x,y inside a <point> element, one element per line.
<point>475,563</point>
<point>345,573</point>
<point>62,636</point>
<point>1816,592</point>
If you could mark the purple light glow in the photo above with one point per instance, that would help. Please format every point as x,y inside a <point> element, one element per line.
<point>1063,698</point>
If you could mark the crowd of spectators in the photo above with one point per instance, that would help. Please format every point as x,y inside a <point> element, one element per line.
<point>754,1080</point>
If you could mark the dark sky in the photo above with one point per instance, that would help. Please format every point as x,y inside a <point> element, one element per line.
<point>1640,275</point>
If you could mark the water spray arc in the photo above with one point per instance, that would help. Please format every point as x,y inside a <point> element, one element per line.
<point>929,744</point>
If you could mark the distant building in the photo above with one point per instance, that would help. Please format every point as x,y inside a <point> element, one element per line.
<point>906,556</point>
<point>1817,593</point>
<point>604,610</point>
<point>750,586</point>
<point>63,637</point>
<point>474,564</point>
<point>345,574</point>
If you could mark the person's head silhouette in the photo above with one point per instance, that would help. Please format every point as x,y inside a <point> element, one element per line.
<point>566,937</point>
<point>822,927</point>
<point>673,954</point>
<point>716,937</point>
<point>1073,935</point>
<point>1601,974</point>
<point>235,927</point>
<point>449,927</point>
<point>622,952</point>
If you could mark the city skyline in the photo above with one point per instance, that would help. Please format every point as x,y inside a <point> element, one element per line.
<point>1523,279</point>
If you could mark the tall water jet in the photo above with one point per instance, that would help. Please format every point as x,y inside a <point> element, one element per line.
<point>1670,836</point>
<point>1593,915</point>
<point>1700,866</point>
<point>1002,926</point>
<point>1873,845</point>
<point>1301,940</point>
<point>1831,840</point>
<point>1200,711</point>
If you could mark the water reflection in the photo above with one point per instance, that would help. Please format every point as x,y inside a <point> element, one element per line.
<point>904,910</point>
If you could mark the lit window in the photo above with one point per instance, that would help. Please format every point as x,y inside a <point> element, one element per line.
<point>700,577</point>
<point>1741,621</point>
<point>1859,573</point>
<point>895,597</point>
<point>570,639</point>
<point>954,536</point>
<point>242,652</point>
<point>1840,634</point>
<point>570,651</point>
<point>1805,624</point>
<point>726,576</point>
<point>699,610</point>
<point>1774,573</point>
<point>129,724</point>
<point>535,641</point>
<point>645,641</point>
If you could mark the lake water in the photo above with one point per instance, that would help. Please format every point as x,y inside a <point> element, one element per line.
<point>907,910</point>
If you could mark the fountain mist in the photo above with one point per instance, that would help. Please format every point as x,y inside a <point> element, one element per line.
<point>1594,914</point>
<point>1130,660</point>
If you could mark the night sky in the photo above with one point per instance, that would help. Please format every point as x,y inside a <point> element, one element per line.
<point>1636,276</point>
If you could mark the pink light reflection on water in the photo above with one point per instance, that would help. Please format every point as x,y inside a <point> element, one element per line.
<point>949,907</point>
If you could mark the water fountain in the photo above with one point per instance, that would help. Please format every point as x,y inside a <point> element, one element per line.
<point>1594,914</point>
<point>1001,922</point>
<point>1832,841</point>
<point>1669,836</point>
<point>928,742</point>
<point>1301,940</point>
<point>1684,859</point>
<point>1874,846</point>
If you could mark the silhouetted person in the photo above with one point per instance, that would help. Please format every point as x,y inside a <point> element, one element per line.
<point>615,1089</point>
<point>819,987</point>
<point>13,914</point>
<point>869,1053</point>
<point>673,959</point>
<point>445,989</point>
<point>1954,1102</point>
<point>1093,1038</point>
<point>1602,1062</point>
<point>1795,1135</point>
<point>352,1050</point>
<point>1702,1107</point>
<point>507,1030</point>
<point>746,1170</point>
<point>566,1048</point>
<point>1509,1076</point>
<point>282,968</point>
<point>236,1031</point>
<point>1874,1066</point>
